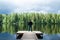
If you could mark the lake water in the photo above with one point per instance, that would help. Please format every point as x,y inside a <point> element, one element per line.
<point>7,36</point>
<point>51,32</point>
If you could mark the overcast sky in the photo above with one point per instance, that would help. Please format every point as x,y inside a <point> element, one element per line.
<point>8,6</point>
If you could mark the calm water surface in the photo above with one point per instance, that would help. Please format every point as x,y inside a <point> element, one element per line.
<point>51,32</point>
<point>7,36</point>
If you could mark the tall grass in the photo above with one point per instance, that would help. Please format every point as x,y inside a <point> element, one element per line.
<point>25,17</point>
<point>18,21</point>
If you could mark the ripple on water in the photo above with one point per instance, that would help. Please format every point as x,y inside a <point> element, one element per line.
<point>7,36</point>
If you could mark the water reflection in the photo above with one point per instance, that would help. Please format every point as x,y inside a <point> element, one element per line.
<point>51,37</point>
<point>8,31</point>
<point>8,36</point>
<point>13,28</point>
<point>49,29</point>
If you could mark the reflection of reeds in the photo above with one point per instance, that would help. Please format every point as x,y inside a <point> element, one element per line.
<point>49,29</point>
<point>15,22</point>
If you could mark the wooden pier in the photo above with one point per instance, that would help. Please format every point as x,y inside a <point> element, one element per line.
<point>28,35</point>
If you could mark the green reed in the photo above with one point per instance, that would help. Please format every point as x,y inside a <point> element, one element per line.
<point>19,21</point>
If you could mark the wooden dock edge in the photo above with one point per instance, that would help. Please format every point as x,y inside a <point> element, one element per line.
<point>19,34</point>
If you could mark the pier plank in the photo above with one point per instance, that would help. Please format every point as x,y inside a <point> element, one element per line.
<point>28,35</point>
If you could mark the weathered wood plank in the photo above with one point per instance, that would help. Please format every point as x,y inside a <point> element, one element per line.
<point>28,35</point>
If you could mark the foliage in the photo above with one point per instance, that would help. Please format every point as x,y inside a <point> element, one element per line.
<point>18,21</point>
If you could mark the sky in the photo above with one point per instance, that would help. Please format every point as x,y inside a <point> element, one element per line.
<point>9,6</point>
